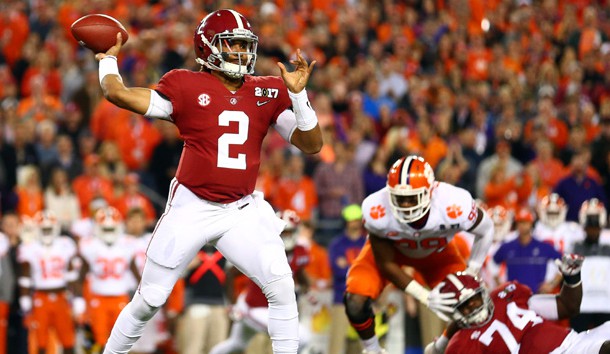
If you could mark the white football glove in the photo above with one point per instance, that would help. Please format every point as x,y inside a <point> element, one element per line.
<point>438,346</point>
<point>570,263</point>
<point>441,303</point>
<point>570,266</point>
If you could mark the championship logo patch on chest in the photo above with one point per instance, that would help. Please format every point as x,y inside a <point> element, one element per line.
<point>266,95</point>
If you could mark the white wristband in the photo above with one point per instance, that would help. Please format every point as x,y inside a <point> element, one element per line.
<point>25,282</point>
<point>441,343</point>
<point>109,66</point>
<point>419,292</point>
<point>306,116</point>
<point>78,306</point>
<point>25,303</point>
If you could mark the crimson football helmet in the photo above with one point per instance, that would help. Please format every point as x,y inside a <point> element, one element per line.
<point>592,211</point>
<point>108,224</point>
<point>215,36</point>
<point>48,228</point>
<point>410,181</point>
<point>289,234</point>
<point>464,287</point>
<point>552,210</point>
<point>502,219</point>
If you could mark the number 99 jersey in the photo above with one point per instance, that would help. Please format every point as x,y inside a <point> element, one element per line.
<point>452,210</point>
<point>512,328</point>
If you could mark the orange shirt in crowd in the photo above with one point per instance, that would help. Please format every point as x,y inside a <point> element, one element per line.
<point>51,79</point>
<point>556,131</point>
<point>319,266</point>
<point>300,196</point>
<point>30,202</point>
<point>14,30</point>
<point>507,193</point>
<point>136,141</point>
<point>39,108</point>
<point>549,172</point>
<point>86,188</point>
<point>129,201</point>
<point>104,120</point>
<point>433,152</point>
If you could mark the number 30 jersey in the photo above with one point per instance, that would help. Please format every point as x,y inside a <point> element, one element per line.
<point>109,265</point>
<point>223,131</point>
<point>513,328</point>
<point>452,210</point>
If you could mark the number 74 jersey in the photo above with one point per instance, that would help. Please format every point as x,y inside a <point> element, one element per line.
<point>513,327</point>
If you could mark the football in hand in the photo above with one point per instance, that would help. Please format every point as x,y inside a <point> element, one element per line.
<point>98,32</point>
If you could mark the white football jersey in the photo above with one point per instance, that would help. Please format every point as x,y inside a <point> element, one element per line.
<point>48,264</point>
<point>562,238</point>
<point>452,210</point>
<point>109,265</point>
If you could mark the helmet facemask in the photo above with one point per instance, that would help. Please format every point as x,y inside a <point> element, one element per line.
<point>478,317</point>
<point>221,55</point>
<point>418,199</point>
<point>48,233</point>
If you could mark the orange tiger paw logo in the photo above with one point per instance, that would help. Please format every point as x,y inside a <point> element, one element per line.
<point>377,212</point>
<point>454,211</point>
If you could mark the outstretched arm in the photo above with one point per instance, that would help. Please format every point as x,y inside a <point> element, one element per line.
<point>566,304</point>
<point>383,250</point>
<point>136,99</point>
<point>483,229</point>
<point>308,136</point>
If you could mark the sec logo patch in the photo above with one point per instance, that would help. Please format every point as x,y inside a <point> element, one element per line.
<point>204,99</point>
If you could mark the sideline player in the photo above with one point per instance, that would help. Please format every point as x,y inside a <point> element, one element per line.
<point>47,267</point>
<point>511,319</point>
<point>411,223</point>
<point>223,114</point>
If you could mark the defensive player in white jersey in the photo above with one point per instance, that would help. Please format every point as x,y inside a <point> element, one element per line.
<point>552,226</point>
<point>223,114</point>
<point>108,260</point>
<point>47,266</point>
<point>411,222</point>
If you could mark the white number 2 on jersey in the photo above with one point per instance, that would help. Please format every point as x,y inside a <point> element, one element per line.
<point>519,318</point>
<point>227,139</point>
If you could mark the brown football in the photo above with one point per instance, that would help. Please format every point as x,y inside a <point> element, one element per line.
<point>97,32</point>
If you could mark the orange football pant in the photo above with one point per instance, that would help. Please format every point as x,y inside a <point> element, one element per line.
<point>364,278</point>
<point>4,308</point>
<point>103,312</point>
<point>51,310</point>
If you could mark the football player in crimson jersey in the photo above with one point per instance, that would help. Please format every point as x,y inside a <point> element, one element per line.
<point>411,222</point>
<point>250,313</point>
<point>512,320</point>
<point>223,114</point>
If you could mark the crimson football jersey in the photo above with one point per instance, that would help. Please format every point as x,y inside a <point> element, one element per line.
<point>298,259</point>
<point>222,130</point>
<point>513,328</point>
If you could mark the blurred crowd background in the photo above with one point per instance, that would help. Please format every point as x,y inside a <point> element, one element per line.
<point>509,99</point>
